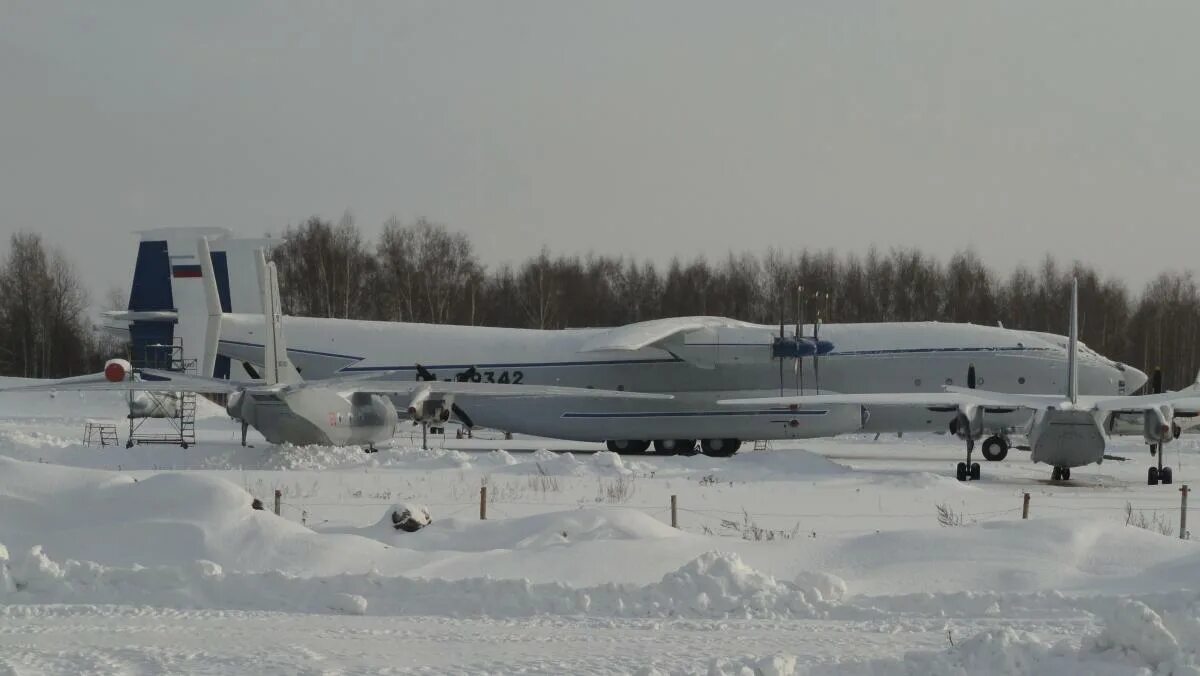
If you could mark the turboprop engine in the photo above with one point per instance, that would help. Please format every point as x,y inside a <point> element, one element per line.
<point>1158,424</point>
<point>142,404</point>
<point>424,408</point>
<point>117,370</point>
<point>968,423</point>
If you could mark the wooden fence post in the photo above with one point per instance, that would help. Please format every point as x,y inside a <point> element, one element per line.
<point>1183,534</point>
<point>1025,507</point>
<point>674,512</point>
<point>278,496</point>
<point>483,503</point>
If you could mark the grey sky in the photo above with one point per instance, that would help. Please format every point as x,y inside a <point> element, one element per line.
<point>647,128</point>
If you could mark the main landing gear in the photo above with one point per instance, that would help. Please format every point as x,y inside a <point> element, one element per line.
<point>995,448</point>
<point>717,448</point>
<point>968,471</point>
<point>627,446</point>
<point>675,447</point>
<point>1159,475</point>
<point>1060,474</point>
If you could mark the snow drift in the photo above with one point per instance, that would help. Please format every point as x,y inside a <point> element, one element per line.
<point>714,585</point>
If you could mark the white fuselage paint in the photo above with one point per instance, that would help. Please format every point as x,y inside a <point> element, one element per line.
<point>867,358</point>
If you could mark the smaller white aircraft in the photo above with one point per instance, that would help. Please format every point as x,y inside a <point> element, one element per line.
<point>339,411</point>
<point>1066,430</point>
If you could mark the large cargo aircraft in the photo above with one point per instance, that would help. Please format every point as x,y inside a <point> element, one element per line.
<point>698,360</point>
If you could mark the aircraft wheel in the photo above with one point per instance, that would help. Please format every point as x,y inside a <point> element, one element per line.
<point>961,472</point>
<point>1152,477</point>
<point>720,448</point>
<point>974,471</point>
<point>675,446</point>
<point>627,446</point>
<point>1056,474</point>
<point>1164,477</point>
<point>1066,474</point>
<point>184,445</point>
<point>995,448</point>
<point>128,444</point>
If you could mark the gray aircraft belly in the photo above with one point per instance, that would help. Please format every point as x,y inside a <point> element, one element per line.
<point>692,416</point>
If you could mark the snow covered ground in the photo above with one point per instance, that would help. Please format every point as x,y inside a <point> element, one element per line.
<point>821,557</point>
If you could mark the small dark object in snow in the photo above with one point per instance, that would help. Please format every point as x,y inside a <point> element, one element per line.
<point>410,518</point>
<point>256,504</point>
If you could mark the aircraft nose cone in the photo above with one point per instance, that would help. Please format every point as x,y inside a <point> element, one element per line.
<point>1134,379</point>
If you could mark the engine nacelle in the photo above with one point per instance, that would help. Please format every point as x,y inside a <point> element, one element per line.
<point>233,405</point>
<point>968,423</point>
<point>117,370</point>
<point>154,404</point>
<point>1158,425</point>
<point>422,407</point>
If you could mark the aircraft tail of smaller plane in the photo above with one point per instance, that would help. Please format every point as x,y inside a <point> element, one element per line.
<point>1073,346</point>
<point>279,368</point>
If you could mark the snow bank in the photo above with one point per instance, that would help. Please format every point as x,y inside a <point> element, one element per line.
<point>781,465</point>
<point>1014,556</point>
<point>1133,640</point>
<point>536,532</point>
<point>715,585</point>
<point>168,518</point>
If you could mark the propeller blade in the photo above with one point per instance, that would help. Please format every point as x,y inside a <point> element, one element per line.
<point>817,354</point>
<point>245,427</point>
<point>1158,380</point>
<point>462,415</point>
<point>781,358</point>
<point>971,376</point>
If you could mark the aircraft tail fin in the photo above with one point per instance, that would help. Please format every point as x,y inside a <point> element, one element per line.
<point>212,297</point>
<point>278,368</point>
<point>1073,346</point>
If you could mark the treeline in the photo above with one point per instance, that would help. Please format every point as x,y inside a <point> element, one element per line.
<point>422,272</point>
<point>44,330</point>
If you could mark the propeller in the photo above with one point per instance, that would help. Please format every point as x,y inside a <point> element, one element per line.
<point>1156,385</point>
<point>971,376</point>
<point>462,415</point>
<point>817,353</point>
<point>798,367</point>
<point>423,374</point>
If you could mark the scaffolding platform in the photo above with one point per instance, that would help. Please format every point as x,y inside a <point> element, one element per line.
<point>100,433</point>
<point>181,406</point>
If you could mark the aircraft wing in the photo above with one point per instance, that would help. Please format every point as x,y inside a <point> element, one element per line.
<point>1185,400</point>
<point>159,381</point>
<point>645,334</point>
<point>437,387</point>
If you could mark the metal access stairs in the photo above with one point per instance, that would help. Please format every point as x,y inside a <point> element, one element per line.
<point>183,423</point>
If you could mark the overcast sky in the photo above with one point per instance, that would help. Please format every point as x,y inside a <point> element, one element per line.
<point>647,128</point>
